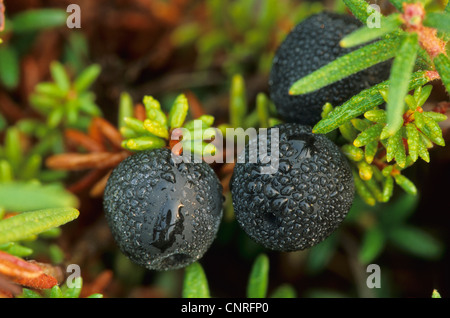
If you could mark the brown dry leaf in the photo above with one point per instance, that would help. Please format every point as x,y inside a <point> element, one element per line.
<point>108,131</point>
<point>2,16</point>
<point>9,108</point>
<point>98,285</point>
<point>139,112</point>
<point>77,161</point>
<point>25,273</point>
<point>98,188</point>
<point>87,181</point>
<point>8,289</point>
<point>104,153</point>
<point>80,139</point>
<point>195,106</point>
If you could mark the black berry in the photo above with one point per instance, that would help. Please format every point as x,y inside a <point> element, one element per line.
<point>300,204</point>
<point>163,215</point>
<point>312,44</point>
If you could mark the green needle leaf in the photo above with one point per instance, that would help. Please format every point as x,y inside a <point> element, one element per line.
<point>352,152</point>
<point>435,116</point>
<point>320,255</point>
<point>208,120</point>
<point>125,108</point>
<point>238,102</point>
<point>435,294</point>
<point>416,242</point>
<point>425,141</point>
<point>405,184</point>
<point>258,281</point>
<point>9,67</point>
<point>360,124</point>
<point>60,76</point>
<point>155,128</point>
<point>438,20</point>
<point>143,143</point>
<point>34,20</point>
<point>284,291</point>
<point>346,65</point>
<point>87,77</point>
<point>153,110</point>
<point>395,143</point>
<point>44,103</point>
<point>198,147</point>
<point>195,284</point>
<point>432,130</point>
<point>373,186</point>
<point>16,249</point>
<point>28,293</point>
<point>402,68</point>
<point>369,135</point>
<point>419,120</point>
<point>422,95</point>
<point>388,189</point>
<point>31,167</point>
<point>370,151</point>
<point>423,152</point>
<point>348,131</point>
<point>362,190</point>
<point>20,196</point>
<point>178,112</point>
<point>6,172</point>
<point>372,244</point>
<point>75,290</point>
<point>56,292</point>
<point>55,117</point>
<point>366,34</point>
<point>361,103</point>
<point>136,125</point>
<point>442,64</point>
<point>326,109</point>
<point>365,170</point>
<point>411,102</point>
<point>400,155</point>
<point>376,115</point>
<point>413,139</point>
<point>26,224</point>
<point>12,148</point>
<point>359,8</point>
<point>262,106</point>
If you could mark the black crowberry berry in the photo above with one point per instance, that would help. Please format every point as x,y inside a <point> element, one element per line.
<point>163,215</point>
<point>300,204</point>
<point>312,44</point>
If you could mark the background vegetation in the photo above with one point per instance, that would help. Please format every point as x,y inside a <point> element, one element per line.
<point>63,93</point>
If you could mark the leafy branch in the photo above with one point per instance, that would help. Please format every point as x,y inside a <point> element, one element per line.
<point>16,228</point>
<point>67,103</point>
<point>263,114</point>
<point>26,224</point>
<point>155,129</point>
<point>378,159</point>
<point>59,292</point>
<point>408,35</point>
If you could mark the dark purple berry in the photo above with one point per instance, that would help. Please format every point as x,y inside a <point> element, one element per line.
<point>163,215</point>
<point>313,43</point>
<point>300,204</point>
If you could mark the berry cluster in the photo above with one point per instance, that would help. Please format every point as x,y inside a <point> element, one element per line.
<point>165,215</point>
